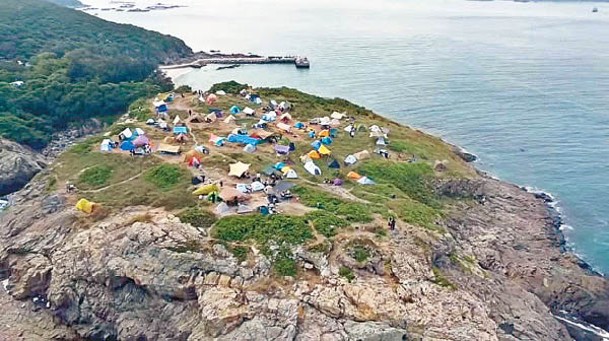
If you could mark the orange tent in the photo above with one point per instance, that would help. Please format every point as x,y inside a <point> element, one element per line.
<point>353,176</point>
<point>314,155</point>
<point>324,133</point>
<point>192,153</point>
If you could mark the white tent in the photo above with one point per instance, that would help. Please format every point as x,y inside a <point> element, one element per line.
<point>269,116</point>
<point>249,111</point>
<point>374,128</point>
<point>243,188</point>
<point>150,121</point>
<point>176,120</point>
<point>334,122</point>
<point>350,159</point>
<point>291,174</point>
<point>158,103</point>
<point>285,116</point>
<point>127,133</point>
<point>238,169</point>
<point>365,181</point>
<point>380,141</point>
<point>229,119</point>
<point>106,145</point>
<point>221,93</point>
<point>211,117</point>
<point>337,115</point>
<point>324,121</point>
<point>312,168</point>
<point>364,154</point>
<point>249,148</point>
<point>348,128</point>
<point>139,132</point>
<point>257,186</point>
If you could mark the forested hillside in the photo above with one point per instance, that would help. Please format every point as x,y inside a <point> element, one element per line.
<point>73,66</point>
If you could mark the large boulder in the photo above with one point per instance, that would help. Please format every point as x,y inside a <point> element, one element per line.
<point>18,164</point>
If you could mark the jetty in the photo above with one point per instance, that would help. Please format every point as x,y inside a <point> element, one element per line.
<point>239,59</point>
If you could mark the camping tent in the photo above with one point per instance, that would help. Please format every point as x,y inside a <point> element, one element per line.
<point>229,119</point>
<point>324,121</point>
<point>380,141</point>
<point>364,154</point>
<point>337,115</point>
<point>279,165</point>
<point>139,132</point>
<point>377,134</point>
<point>353,176</point>
<point>192,153</point>
<point>249,148</point>
<point>284,127</point>
<point>84,205</point>
<point>249,111</point>
<point>196,118</point>
<point>285,118</point>
<point>299,125</point>
<point>314,155</point>
<point>160,106</point>
<point>222,209</point>
<point>242,139</point>
<point>323,150</point>
<point>180,130</point>
<point>167,149</point>
<point>292,146</point>
<point>365,181</point>
<point>316,144</point>
<point>221,93</point>
<point>127,145</point>
<point>106,145</point>
<point>211,117</point>
<point>206,189</point>
<point>141,141</point>
<point>239,131</point>
<point>269,116</point>
<point>326,140</point>
<point>291,174</point>
<point>235,110</point>
<point>283,186</point>
<point>238,169</point>
<point>181,138</point>
<point>324,133</point>
<point>337,182</point>
<point>350,159</point>
<point>127,134</point>
<point>312,168</point>
<point>282,150</point>
<point>211,99</point>
<point>257,186</point>
<point>177,119</point>
<point>243,188</point>
<point>334,164</point>
<point>194,162</point>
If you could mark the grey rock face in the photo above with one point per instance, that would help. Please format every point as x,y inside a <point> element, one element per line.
<point>18,164</point>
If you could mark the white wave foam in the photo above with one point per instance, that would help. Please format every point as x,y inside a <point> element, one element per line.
<point>587,327</point>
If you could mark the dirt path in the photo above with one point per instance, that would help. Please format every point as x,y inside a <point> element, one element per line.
<point>112,185</point>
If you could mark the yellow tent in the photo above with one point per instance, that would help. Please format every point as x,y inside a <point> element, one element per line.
<point>204,190</point>
<point>364,154</point>
<point>314,155</point>
<point>84,205</point>
<point>324,133</point>
<point>285,169</point>
<point>323,150</point>
<point>353,176</point>
<point>238,169</point>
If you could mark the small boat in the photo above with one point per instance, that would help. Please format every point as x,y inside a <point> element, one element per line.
<point>594,10</point>
<point>302,63</point>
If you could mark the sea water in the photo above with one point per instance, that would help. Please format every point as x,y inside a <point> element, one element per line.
<point>525,86</point>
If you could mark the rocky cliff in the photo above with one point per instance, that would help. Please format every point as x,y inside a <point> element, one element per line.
<point>18,164</point>
<point>130,277</point>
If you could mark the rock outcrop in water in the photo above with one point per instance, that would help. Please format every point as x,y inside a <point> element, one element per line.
<point>130,277</point>
<point>18,165</point>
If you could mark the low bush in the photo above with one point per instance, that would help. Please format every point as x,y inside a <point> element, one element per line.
<point>197,218</point>
<point>346,273</point>
<point>240,252</point>
<point>284,263</point>
<point>278,228</point>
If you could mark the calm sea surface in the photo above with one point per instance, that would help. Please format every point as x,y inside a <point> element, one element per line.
<point>523,85</point>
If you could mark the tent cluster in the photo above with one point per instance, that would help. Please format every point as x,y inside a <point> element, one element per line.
<point>134,141</point>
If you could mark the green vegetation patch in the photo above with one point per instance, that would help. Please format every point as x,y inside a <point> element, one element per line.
<point>284,263</point>
<point>197,217</point>
<point>230,87</point>
<point>278,228</point>
<point>164,176</point>
<point>240,252</point>
<point>346,273</point>
<point>416,213</point>
<point>441,280</point>
<point>96,176</point>
<point>326,223</point>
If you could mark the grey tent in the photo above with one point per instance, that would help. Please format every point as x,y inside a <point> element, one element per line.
<point>244,209</point>
<point>283,186</point>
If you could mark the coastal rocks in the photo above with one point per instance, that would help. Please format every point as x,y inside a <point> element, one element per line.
<point>18,165</point>
<point>464,155</point>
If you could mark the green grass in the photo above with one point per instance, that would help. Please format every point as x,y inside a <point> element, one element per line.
<point>197,217</point>
<point>326,223</point>
<point>164,176</point>
<point>360,253</point>
<point>284,263</point>
<point>140,110</point>
<point>278,228</point>
<point>346,273</point>
<point>441,280</point>
<point>416,213</point>
<point>95,177</point>
<point>240,252</point>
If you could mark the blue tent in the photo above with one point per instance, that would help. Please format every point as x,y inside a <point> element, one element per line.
<point>299,125</point>
<point>162,108</point>
<point>326,140</point>
<point>316,144</point>
<point>235,110</point>
<point>127,145</point>
<point>312,134</point>
<point>333,164</point>
<point>333,132</point>
<point>279,165</point>
<point>292,146</point>
<point>180,130</point>
<point>243,139</point>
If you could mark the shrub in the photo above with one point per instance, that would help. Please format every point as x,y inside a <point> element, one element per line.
<point>278,228</point>
<point>284,264</point>
<point>346,273</point>
<point>197,217</point>
<point>164,176</point>
<point>240,252</point>
<point>360,253</point>
<point>183,89</point>
<point>96,176</point>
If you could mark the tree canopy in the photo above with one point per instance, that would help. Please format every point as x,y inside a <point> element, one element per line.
<point>60,66</point>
